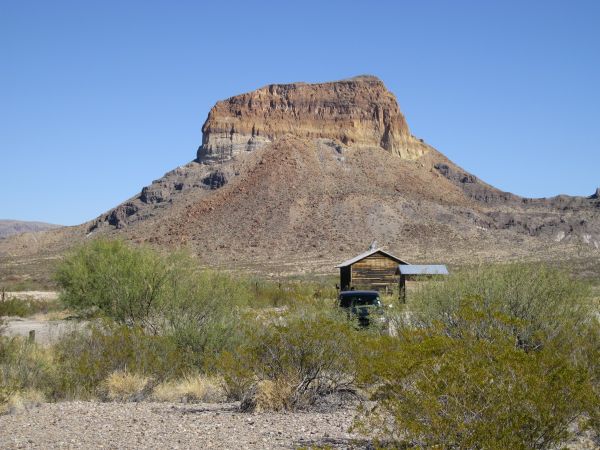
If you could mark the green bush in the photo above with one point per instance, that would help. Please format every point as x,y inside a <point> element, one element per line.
<point>27,307</point>
<point>124,283</point>
<point>468,392</point>
<point>88,357</point>
<point>263,293</point>
<point>542,304</point>
<point>303,356</point>
<point>203,314</point>
<point>23,366</point>
<point>164,295</point>
<point>502,357</point>
<point>138,285</point>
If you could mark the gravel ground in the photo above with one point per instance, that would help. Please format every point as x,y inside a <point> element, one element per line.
<point>167,425</point>
<point>35,295</point>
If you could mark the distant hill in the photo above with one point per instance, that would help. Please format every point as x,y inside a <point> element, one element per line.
<point>295,178</point>
<point>10,227</point>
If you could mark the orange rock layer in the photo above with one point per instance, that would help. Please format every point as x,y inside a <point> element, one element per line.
<point>358,112</point>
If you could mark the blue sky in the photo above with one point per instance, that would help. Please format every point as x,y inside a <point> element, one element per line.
<point>98,98</point>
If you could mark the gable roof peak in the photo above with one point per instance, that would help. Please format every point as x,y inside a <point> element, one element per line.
<point>368,253</point>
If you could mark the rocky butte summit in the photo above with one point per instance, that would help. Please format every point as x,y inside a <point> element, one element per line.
<point>298,176</point>
<point>359,112</point>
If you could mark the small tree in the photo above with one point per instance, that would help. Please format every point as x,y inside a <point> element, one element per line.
<point>161,294</point>
<point>124,283</point>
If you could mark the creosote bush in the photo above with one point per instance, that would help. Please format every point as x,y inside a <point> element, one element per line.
<point>26,370</point>
<point>168,295</point>
<point>27,307</point>
<point>127,284</point>
<point>542,304</point>
<point>291,363</point>
<point>498,358</point>
<point>87,358</point>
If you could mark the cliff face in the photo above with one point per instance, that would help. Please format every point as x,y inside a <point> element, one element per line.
<point>358,112</point>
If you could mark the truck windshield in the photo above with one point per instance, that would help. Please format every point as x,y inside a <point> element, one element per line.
<point>349,300</point>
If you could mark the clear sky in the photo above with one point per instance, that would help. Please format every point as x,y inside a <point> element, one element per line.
<point>98,98</point>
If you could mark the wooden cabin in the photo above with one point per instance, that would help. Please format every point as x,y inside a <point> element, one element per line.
<point>373,270</point>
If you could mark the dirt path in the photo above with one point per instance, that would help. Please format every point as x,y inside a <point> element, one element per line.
<point>164,425</point>
<point>35,295</point>
<point>46,331</point>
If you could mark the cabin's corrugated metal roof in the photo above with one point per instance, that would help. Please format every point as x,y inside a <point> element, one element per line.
<point>369,253</point>
<point>416,269</point>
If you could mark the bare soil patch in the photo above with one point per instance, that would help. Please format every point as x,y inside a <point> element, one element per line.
<point>32,295</point>
<point>168,425</point>
<point>46,331</point>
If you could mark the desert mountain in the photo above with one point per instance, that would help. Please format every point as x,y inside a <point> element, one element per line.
<point>10,227</point>
<point>298,176</point>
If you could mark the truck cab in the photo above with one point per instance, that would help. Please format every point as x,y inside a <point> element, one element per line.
<point>364,305</point>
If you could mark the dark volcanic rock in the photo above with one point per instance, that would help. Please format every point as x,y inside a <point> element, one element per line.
<point>155,194</point>
<point>473,187</point>
<point>216,179</point>
<point>454,175</point>
<point>117,217</point>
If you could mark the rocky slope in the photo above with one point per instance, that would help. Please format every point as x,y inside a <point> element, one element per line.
<point>10,227</point>
<point>296,177</point>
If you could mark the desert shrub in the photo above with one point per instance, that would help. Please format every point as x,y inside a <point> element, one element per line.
<point>23,399</point>
<point>164,295</point>
<point>87,357</point>
<point>204,313</point>
<point>123,282</point>
<point>475,387</point>
<point>236,377</point>
<point>302,357</point>
<point>121,386</point>
<point>192,387</point>
<point>27,307</point>
<point>271,395</point>
<point>542,304</point>
<point>24,367</point>
<point>263,293</point>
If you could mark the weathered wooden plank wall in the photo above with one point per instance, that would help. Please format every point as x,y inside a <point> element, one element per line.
<point>375,272</point>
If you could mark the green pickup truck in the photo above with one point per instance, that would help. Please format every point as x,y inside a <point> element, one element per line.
<point>364,305</point>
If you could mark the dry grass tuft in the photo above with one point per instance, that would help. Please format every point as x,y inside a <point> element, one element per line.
<point>190,388</point>
<point>22,400</point>
<point>122,386</point>
<point>274,395</point>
